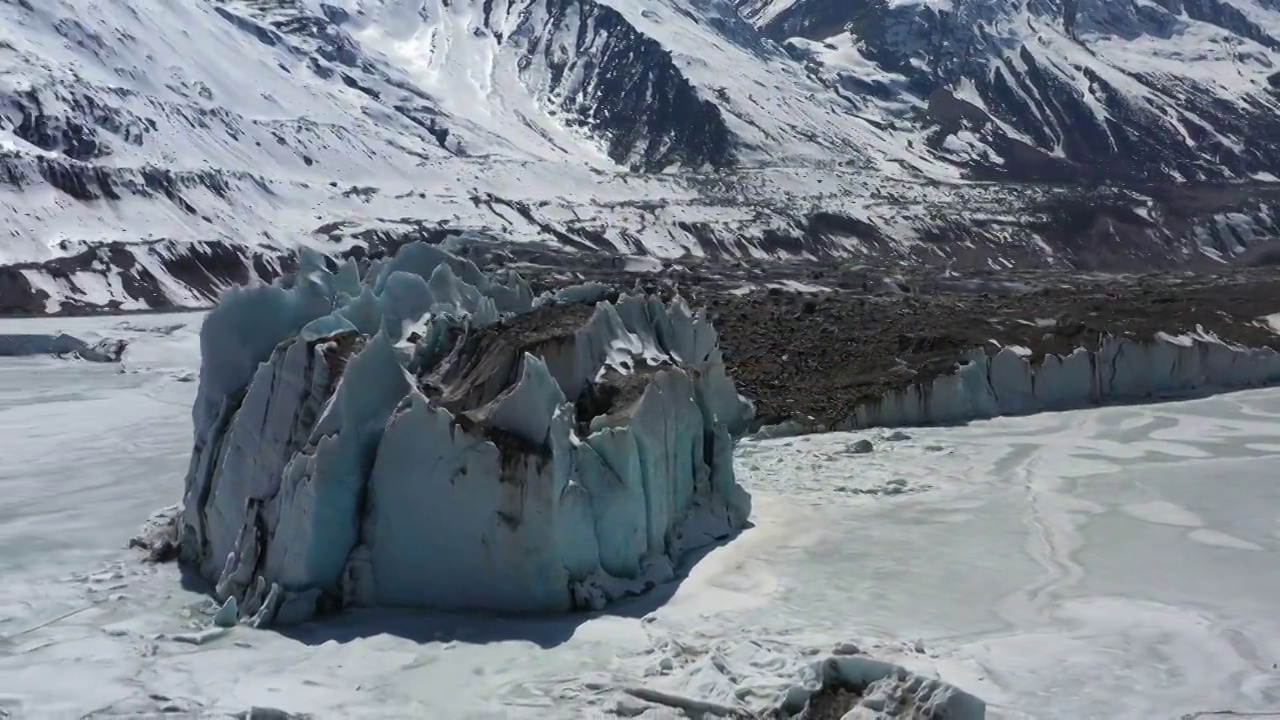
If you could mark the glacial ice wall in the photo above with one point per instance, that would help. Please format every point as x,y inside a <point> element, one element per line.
<point>422,433</point>
<point>1008,382</point>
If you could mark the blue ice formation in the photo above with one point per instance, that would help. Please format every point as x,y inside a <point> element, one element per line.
<point>1006,381</point>
<point>995,381</point>
<point>419,433</point>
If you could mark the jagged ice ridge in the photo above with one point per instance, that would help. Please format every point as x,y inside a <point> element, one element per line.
<point>423,433</point>
<point>1010,380</point>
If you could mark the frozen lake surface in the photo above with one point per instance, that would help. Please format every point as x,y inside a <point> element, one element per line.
<point>1112,563</point>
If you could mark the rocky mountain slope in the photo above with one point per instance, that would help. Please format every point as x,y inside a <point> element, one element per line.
<point>150,157</point>
<point>1105,90</point>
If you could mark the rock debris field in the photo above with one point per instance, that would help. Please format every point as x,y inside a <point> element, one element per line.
<point>812,343</point>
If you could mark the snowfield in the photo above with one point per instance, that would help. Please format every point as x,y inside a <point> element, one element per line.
<point>1106,563</point>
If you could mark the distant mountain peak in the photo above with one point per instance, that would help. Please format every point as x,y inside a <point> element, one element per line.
<point>207,139</point>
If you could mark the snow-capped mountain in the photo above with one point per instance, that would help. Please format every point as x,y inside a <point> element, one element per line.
<point>1056,89</point>
<point>152,154</point>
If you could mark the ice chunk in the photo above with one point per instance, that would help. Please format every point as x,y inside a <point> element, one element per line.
<point>748,678</point>
<point>62,345</point>
<point>431,438</point>
<point>200,637</point>
<point>228,614</point>
<point>21,345</point>
<point>885,690</point>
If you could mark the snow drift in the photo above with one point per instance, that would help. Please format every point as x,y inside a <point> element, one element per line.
<point>421,433</point>
<point>1011,382</point>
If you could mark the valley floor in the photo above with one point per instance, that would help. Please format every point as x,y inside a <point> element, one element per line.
<point>1103,563</point>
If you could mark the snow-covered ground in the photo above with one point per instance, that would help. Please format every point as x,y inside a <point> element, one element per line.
<point>1113,563</point>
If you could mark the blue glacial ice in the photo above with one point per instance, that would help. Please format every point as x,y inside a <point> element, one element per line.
<point>994,381</point>
<point>1005,381</point>
<point>419,433</point>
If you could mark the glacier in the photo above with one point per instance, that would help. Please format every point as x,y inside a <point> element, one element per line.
<point>1012,381</point>
<point>416,432</point>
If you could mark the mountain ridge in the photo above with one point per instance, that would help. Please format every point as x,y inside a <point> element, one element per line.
<point>244,129</point>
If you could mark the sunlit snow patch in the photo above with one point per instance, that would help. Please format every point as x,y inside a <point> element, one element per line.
<point>421,433</point>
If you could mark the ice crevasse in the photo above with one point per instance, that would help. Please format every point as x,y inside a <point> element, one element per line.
<point>421,433</point>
